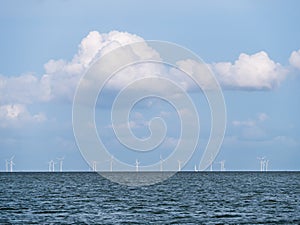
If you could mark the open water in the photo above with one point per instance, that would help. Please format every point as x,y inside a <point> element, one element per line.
<point>186,198</point>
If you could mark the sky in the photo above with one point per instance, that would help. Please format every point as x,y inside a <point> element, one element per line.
<point>252,47</point>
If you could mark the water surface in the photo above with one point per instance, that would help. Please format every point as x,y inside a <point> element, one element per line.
<point>186,198</point>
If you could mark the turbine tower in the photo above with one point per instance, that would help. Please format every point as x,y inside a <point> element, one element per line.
<point>266,165</point>
<point>94,165</point>
<point>11,164</point>
<point>222,165</point>
<point>137,163</point>
<point>61,160</point>
<point>179,165</point>
<point>211,162</point>
<point>195,168</point>
<point>53,167</point>
<point>261,160</point>
<point>50,166</point>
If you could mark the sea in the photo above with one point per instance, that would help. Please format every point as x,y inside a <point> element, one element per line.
<point>185,198</point>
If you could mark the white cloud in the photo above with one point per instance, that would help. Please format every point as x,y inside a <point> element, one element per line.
<point>135,72</point>
<point>23,89</point>
<point>252,72</point>
<point>17,114</point>
<point>295,59</point>
<point>198,71</point>
<point>255,72</point>
<point>61,77</point>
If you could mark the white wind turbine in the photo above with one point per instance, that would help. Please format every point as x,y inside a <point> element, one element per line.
<point>61,160</point>
<point>211,162</point>
<point>262,163</point>
<point>195,168</point>
<point>137,163</point>
<point>179,165</point>
<point>51,167</point>
<point>11,164</point>
<point>266,165</point>
<point>222,165</point>
<point>94,165</point>
<point>111,162</point>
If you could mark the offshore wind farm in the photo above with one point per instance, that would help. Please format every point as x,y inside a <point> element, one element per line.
<point>149,112</point>
<point>108,167</point>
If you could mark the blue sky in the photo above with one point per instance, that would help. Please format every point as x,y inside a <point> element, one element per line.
<point>262,107</point>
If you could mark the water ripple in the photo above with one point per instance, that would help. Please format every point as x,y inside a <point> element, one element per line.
<point>186,198</point>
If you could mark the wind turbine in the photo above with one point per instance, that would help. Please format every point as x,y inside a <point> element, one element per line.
<point>266,165</point>
<point>53,166</point>
<point>195,168</point>
<point>179,165</point>
<point>222,165</point>
<point>11,164</point>
<point>61,160</point>
<point>137,163</point>
<point>211,162</point>
<point>94,165</point>
<point>50,165</point>
<point>262,163</point>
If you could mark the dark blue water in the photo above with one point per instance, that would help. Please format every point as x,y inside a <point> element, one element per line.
<point>186,198</point>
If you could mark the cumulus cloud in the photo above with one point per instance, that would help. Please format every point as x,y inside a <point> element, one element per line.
<point>17,114</point>
<point>26,88</point>
<point>295,59</point>
<point>61,77</point>
<point>250,72</point>
<point>135,72</point>
<point>198,71</point>
<point>59,81</point>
